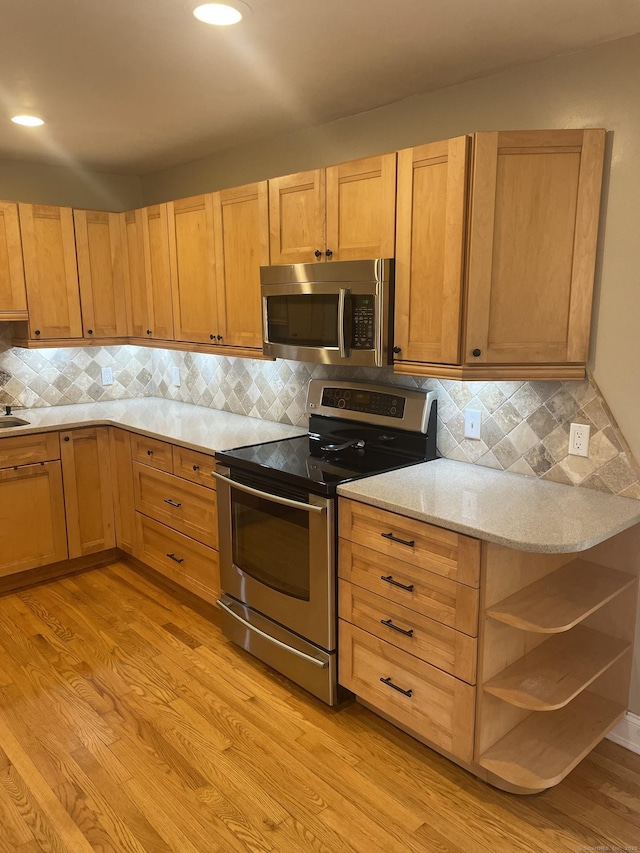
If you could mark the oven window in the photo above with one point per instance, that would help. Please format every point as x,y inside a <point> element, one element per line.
<point>271,543</point>
<point>303,320</point>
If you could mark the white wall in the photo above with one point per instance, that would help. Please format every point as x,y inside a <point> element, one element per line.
<point>593,88</point>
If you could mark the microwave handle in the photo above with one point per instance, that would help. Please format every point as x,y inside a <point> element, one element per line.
<point>342,298</point>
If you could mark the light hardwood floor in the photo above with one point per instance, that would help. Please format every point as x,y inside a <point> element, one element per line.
<point>127,723</point>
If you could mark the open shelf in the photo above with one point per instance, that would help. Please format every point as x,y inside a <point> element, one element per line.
<point>545,747</point>
<point>562,599</point>
<point>555,672</point>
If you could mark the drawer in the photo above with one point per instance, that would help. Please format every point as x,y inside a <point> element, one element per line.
<point>430,641</point>
<point>181,559</point>
<point>434,705</point>
<point>184,506</point>
<point>28,449</point>
<point>454,604</point>
<point>151,451</point>
<point>194,466</point>
<point>433,548</point>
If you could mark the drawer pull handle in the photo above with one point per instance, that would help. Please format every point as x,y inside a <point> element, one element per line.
<point>390,683</point>
<point>389,579</point>
<point>149,452</point>
<point>175,559</point>
<point>173,503</point>
<point>389,624</point>
<point>196,467</point>
<point>408,542</point>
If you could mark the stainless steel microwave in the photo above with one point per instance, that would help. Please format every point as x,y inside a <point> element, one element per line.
<point>339,312</point>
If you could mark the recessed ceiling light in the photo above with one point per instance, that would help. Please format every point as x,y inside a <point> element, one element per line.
<point>28,121</point>
<point>217,13</point>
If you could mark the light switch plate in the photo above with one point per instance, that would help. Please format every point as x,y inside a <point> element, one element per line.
<point>175,375</point>
<point>107,376</point>
<point>472,423</point>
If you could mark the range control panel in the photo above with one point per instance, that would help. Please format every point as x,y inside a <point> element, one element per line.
<point>363,322</point>
<point>365,401</point>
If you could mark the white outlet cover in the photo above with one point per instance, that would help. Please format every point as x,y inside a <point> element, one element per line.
<point>579,439</point>
<point>107,376</point>
<point>175,375</point>
<point>472,423</point>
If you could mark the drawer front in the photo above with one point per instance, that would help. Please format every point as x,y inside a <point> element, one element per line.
<point>181,559</point>
<point>438,707</point>
<point>151,451</point>
<point>29,449</point>
<point>430,641</point>
<point>441,551</point>
<point>194,466</point>
<point>452,603</point>
<point>184,506</point>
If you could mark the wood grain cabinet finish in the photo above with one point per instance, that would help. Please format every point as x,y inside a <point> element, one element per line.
<point>88,493</point>
<point>148,273</point>
<point>194,465</point>
<point>51,273</point>
<point>31,488</point>
<point>13,294</point>
<point>344,212</point>
<point>100,254</point>
<point>122,483</point>
<point>532,209</point>
<point>152,452</point>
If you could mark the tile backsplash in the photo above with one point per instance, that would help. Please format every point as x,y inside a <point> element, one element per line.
<point>525,425</point>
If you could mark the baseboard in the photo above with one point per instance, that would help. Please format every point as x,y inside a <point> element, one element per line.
<point>627,732</point>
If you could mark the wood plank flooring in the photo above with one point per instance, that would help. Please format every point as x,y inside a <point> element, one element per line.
<point>127,723</point>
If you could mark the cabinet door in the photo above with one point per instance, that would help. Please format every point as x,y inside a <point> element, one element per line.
<point>242,246</point>
<point>432,201</point>
<point>532,245</point>
<point>101,273</point>
<point>122,482</point>
<point>361,209</point>
<point>193,273</point>
<point>296,217</point>
<point>87,490</point>
<point>51,273</point>
<point>138,297</point>
<point>13,295</point>
<point>32,493</point>
<point>155,231</point>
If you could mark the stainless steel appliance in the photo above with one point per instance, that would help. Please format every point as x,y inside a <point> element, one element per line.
<point>334,313</point>
<point>277,520</point>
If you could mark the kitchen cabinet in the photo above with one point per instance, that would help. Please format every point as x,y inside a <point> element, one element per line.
<point>13,294</point>
<point>193,269</point>
<point>122,482</point>
<point>51,273</point>
<point>242,246</point>
<point>147,273</point>
<point>343,212</point>
<point>524,308</point>
<point>100,254</point>
<point>88,493</point>
<point>31,488</point>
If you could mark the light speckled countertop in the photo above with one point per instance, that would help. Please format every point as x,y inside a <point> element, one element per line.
<point>511,509</point>
<point>190,426</point>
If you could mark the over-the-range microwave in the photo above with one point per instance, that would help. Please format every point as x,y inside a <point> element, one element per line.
<point>338,312</point>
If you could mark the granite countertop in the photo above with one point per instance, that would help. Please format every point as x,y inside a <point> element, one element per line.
<point>510,509</point>
<point>196,427</point>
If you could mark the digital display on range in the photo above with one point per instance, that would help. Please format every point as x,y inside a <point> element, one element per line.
<point>368,402</point>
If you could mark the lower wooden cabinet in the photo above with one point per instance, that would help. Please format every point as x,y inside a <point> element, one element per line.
<point>122,484</point>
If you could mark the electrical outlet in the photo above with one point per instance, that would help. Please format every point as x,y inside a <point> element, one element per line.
<point>472,423</point>
<point>579,439</point>
<point>107,376</point>
<point>175,376</point>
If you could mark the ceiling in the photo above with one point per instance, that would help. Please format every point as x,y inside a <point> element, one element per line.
<point>136,86</point>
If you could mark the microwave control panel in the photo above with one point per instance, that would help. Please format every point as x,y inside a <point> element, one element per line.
<point>363,322</point>
<point>368,402</point>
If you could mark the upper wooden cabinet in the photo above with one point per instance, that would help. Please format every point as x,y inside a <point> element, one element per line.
<point>344,212</point>
<point>51,273</point>
<point>532,210</point>
<point>13,295</point>
<point>242,247</point>
<point>193,269</point>
<point>100,256</point>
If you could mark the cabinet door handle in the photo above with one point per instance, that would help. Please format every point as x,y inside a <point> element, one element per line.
<point>175,559</point>
<point>408,542</point>
<point>196,467</point>
<point>389,624</point>
<point>389,579</point>
<point>390,683</point>
<point>173,503</point>
<point>149,452</point>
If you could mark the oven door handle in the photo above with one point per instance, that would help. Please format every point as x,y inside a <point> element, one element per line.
<point>321,663</point>
<point>268,496</point>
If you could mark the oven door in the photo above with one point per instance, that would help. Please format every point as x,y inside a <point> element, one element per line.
<point>277,552</point>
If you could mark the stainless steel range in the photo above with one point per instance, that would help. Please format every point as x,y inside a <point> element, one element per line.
<point>277,520</point>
